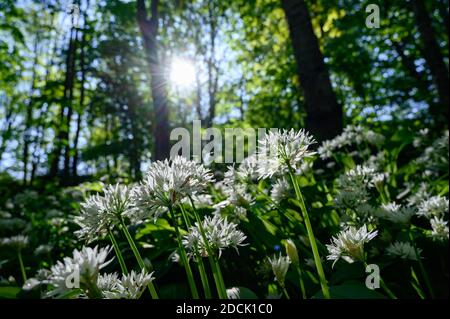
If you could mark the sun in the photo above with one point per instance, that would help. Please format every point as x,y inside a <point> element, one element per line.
<point>182,73</point>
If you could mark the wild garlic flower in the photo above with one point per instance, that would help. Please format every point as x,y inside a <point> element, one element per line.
<point>41,278</point>
<point>418,196</point>
<point>167,183</point>
<point>18,242</point>
<point>327,148</point>
<point>291,251</point>
<point>233,293</point>
<point>435,157</point>
<point>130,286</point>
<point>99,213</point>
<point>351,135</point>
<point>435,206</point>
<point>237,193</point>
<point>397,214</point>
<point>82,268</point>
<point>281,150</point>
<point>349,244</point>
<point>200,200</point>
<point>439,229</point>
<point>404,250</point>
<point>280,266</point>
<point>219,233</point>
<point>43,249</point>
<point>281,189</point>
<point>247,170</point>
<point>353,188</point>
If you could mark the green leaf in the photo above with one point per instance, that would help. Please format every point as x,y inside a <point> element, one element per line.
<point>9,292</point>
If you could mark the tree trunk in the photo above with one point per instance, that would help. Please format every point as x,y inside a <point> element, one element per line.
<point>149,31</point>
<point>66,136</point>
<point>324,114</point>
<point>61,127</point>
<point>29,112</point>
<point>435,60</point>
<point>82,93</point>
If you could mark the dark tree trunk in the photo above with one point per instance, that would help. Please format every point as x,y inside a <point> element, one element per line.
<point>435,60</point>
<point>149,31</point>
<point>61,127</point>
<point>213,74</point>
<point>82,94</point>
<point>29,113</point>
<point>324,114</point>
<point>66,136</point>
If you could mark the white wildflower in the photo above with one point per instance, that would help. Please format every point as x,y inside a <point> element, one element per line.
<point>130,286</point>
<point>281,150</point>
<point>280,266</point>
<point>397,214</point>
<point>43,249</point>
<point>247,170</point>
<point>349,244</point>
<point>233,293</point>
<point>434,206</point>
<point>439,229</point>
<point>403,250</point>
<point>99,213</point>
<point>280,190</point>
<point>84,264</point>
<point>219,234</point>
<point>167,183</point>
<point>326,150</point>
<point>420,195</point>
<point>18,242</point>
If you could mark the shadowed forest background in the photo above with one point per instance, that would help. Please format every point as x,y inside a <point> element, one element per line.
<point>90,90</point>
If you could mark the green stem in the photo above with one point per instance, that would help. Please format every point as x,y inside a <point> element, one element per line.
<point>384,198</point>
<point>201,266</point>
<point>217,273</point>
<point>123,266</point>
<point>422,268</point>
<point>302,284</point>
<point>93,292</point>
<point>386,289</point>
<point>312,239</point>
<point>183,257</point>
<point>285,291</point>
<point>139,259</point>
<point>22,268</point>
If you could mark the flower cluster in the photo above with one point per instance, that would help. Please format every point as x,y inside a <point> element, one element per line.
<point>79,271</point>
<point>351,134</point>
<point>281,151</point>
<point>99,213</point>
<point>403,250</point>
<point>349,244</point>
<point>280,266</point>
<point>219,233</point>
<point>167,183</point>
<point>17,242</point>
<point>130,286</point>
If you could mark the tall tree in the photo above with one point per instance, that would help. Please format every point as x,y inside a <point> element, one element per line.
<point>434,59</point>
<point>149,30</point>
<point>324,114</point>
